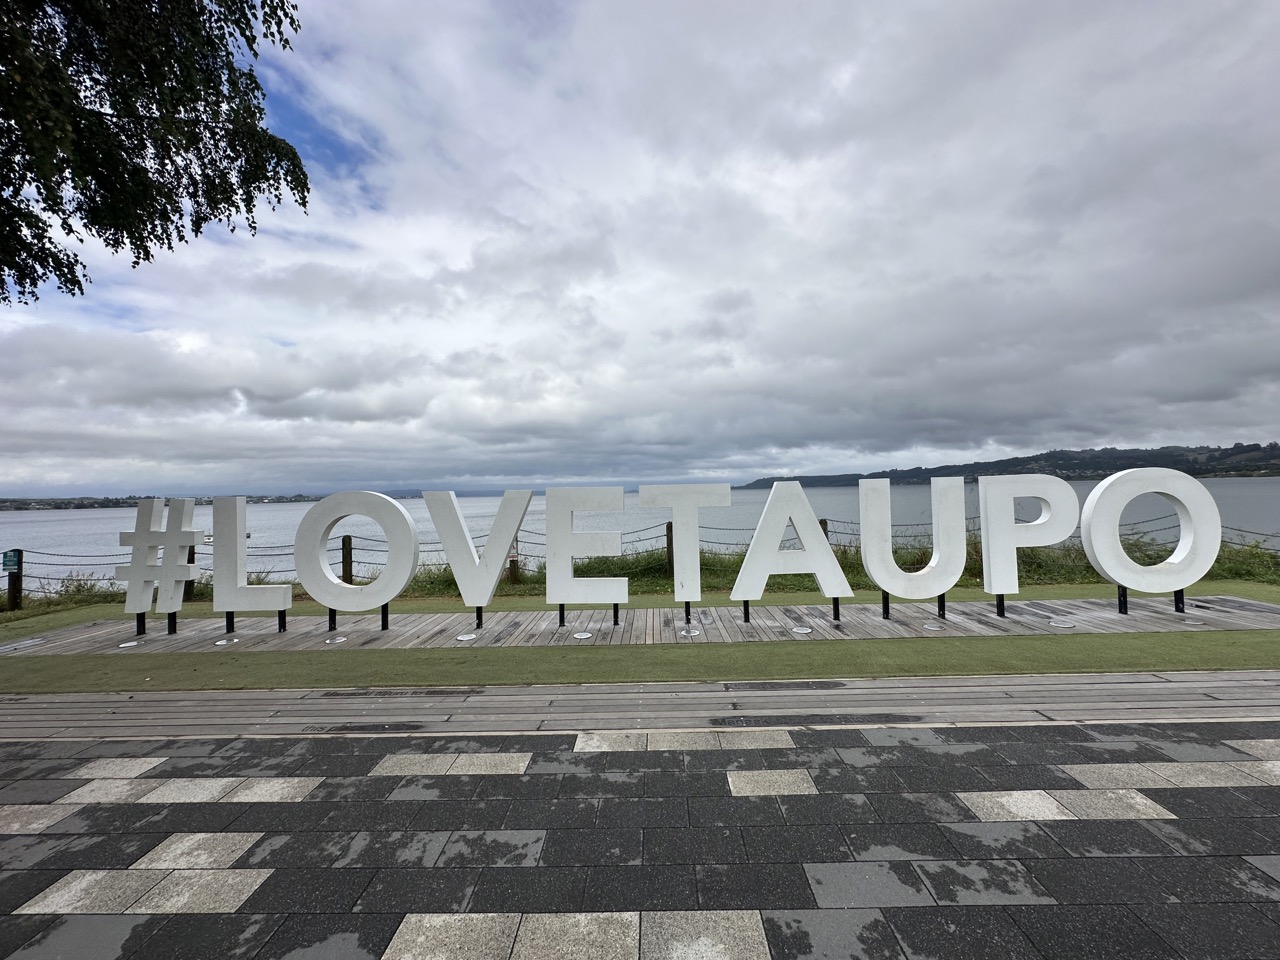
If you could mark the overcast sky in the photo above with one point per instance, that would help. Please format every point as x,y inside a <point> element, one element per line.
<point>630,241</point>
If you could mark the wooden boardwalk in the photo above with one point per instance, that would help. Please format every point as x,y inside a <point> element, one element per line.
<point>662,625</point>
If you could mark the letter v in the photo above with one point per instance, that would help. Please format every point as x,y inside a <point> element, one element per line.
<point>477,574</point>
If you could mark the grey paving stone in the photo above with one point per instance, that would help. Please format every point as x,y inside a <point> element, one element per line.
<point>867,884</point>
<point>89,937</point>
<point>813,843</point>
<point>1218,932</point>
<point>689,935</point>
<point>1110,805</point>
<point>191,790</point>
<point>953,932</point>
<point>456,936</point>
<point>33,818</point>
<point>1107,775</point>
<point>1268,749</point>
<point>578,936</point>
<point>1268,771</point>
<point>1015,805</point>
<point>196,851</point>
<point>755,886</point>
<point>330,937</point>
<point>209,937</point>
<point>492,848</point>
<point>199,891</point>
<point>523,890</point>
<point>754,739</point>
<point>408,890</point>
<point>606,741</point>
<point>468,764</point>
<point>271,790</point>
<point>830,935</point>
<point>648,887</point>
<point>397,848</point>
<point>971,883</point>
<point>1010,840</point>
<point>1090,933</point>
<point>698,740</point>
<point>308,891</point>
<point>110,791</point>
<point>114,768</point>
<point>1210,774</point>
<point>94,891</point>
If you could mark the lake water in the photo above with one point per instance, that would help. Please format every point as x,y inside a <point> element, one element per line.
<point>88,541</point>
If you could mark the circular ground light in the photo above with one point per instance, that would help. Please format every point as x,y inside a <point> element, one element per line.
<point>582,636</point>
<point>934,626</point>
<point>802,629</point>
<point>1199,623</point>
<point>464,637</point>
<point>335,640</point>
<point>224,641</point>
<point>131,643</point>
<point>1061,623</point>
<point>690,633</point>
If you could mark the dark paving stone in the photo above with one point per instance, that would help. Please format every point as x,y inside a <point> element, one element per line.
<point>240,747</point>
<point>208,937</point>
<point>19,886</point>
<point>942,779</point>
<point>281,817</point>
<point>1106,838</point>
<point>466,745</point>
<point>818,843</point>
<point>90,938</point>
<point>492,848</point>
<point>694,845</point>
<point>1197,752</point>
<point>1119,751</point>
<point>101,851</point>
<point>551,814</point>
<point>225,766</point>
<point>520,890</point>
<point>872,757</point>
<point>1213,838</point>
<point>1027,777</point>
<point>24,851</point>
<point>876,883</point>
<point>902,736</point>
<point>968,754</point>
<point>332,937</point>
<point>320,748</point>
<point>828,738</point>
<point>518,787</point>
<point>920,808</point>
<point>461,815</point>
<point>1099,880</point>
<point>1220,932</point>
<point>1063,733</point>
<point>696,761</point>
<point>898,841</point>
<point>48,749</point>
<point>1204,803</point>
<point>566,761</point>
<point>800,759</point>
<point>627,888</point>
<point>539,743</point>
<point>829,935</point>
<point>755,886</point>
<point>988,735</point>
<point>578,848</point>
<point>371,815</point>
<point>827,808</point>
<point>354,788</point>
<point>400,848</point>
<point>1040,754</point>
<point>417,891</point>
<point>15,931</point>
<point>972,883</point>
<point>628,761</point>
<point>665,784</point>
<point>1211,879</point>
<point>1090,933</point>
<point>954,932</point>
<point>336,766</point>
<point>855,780</point>
<point>734,811</point>
<point>314,850</point>
<point>1008,840</point>
<point>574,785</point>
<point>308,891</point>
<point>441,787</point>
<point>1266,797</point>
<point>117,748</point>
<point>38,791</point>
<point>643,812</point>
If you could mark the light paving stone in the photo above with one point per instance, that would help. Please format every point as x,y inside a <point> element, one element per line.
<point>1262,749</point>
<point>413,765</point>
<point>1268,771</point>
<point>462,936</point>
<point>192,789</point>
<point>271,790</point>
<point>1219,774</point>
<point>705,740</point>
<point>770,783</point>
<point>703,935</point>
<point>114,768</point>
<point>94,891</point>
<point>755,740</point>
<point>1103,775</point>
<point>196,851</point>
<point>200,891</point>
<point>111,791</point>
<point>478,763</point>
<point>1111,805</point>
<point>578,936</point>
<point>601,742</point>
<point>33,817</point>
<point>1002,805</point>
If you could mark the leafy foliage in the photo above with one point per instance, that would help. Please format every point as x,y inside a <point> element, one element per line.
<point>134,121</point>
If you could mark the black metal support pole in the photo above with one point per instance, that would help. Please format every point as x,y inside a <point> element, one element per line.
<point>171,624</point>
<point>282,622</point>
<point>231,622</point>
<point>479,617</point>
<point>1179,601</point>
<point>386,616</point>
<point>942,606</point>
<point>333,619</point>
<point>835,609</point>
<point>688,613</point>
<point>999,604</point>
<point>615,614</point>
<point>1122,599</point>
<point>562,614</point>
<point>14,601</point>
<point>142,624</point>
<point>884,604</point>
<point>746,611</point>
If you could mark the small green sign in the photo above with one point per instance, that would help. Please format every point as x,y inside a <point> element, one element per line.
<point>10,561</point>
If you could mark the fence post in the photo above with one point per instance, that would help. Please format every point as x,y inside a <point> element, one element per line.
<point>189,588</point>
<point>13,565</point>
<point>825,533</point>
<point>513,563</point>
<point>348,573</point>
<point>671,549</point>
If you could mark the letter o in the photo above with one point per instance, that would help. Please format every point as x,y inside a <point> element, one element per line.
<point>314,572</point>
<point>1199,537</point>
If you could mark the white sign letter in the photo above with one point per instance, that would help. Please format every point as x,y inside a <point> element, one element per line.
<point>876,531</point>
<point>477,574</point>
<point>684,499</point>
<point>765,556</point>
<point>1002,535</point>
<point>1199,536</point>
<point>230,587</point>
<point>318,579</point>
<point>563,544</point>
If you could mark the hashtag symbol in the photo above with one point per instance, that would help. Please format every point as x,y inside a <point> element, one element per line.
<point>158,562</point>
